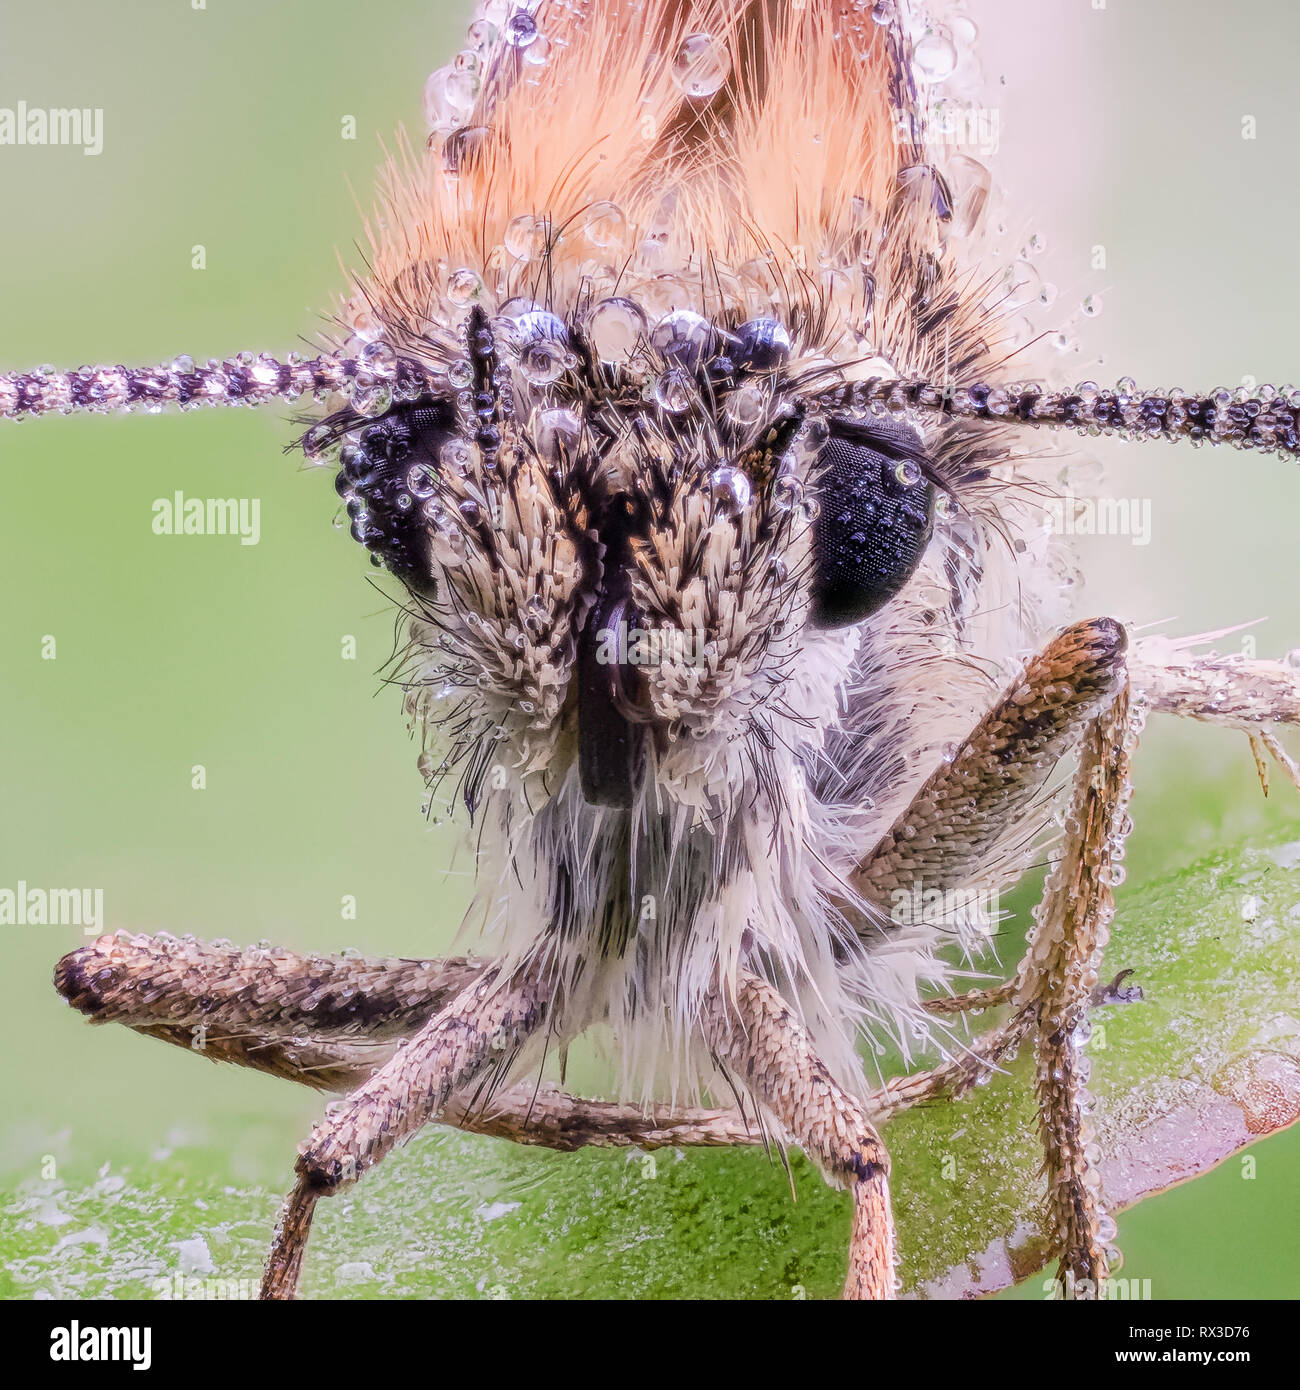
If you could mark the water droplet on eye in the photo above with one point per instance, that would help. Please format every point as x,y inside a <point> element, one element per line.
<point>521,29</point>
<point>907,472</point>
<point>1091,305</point>
<point>701,65</point>
<point>731,490</point>
<point>614,328</point>
<point>464,287</point>
<point>527,236</point>
<point>605,225</point>
<point>683,337</point>
<point>674,391</point>
<point>934,58</point>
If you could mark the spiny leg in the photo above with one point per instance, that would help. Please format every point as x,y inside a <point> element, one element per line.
<point>957,825</point>
<point>329,1022</point>
<point>960,819</point>
<point>1073,690</point>
<point>755,1034</point>
<point>164,981</point>
<point>1230,691</point>
<point>487,1020</point>
<point>1057,979</point>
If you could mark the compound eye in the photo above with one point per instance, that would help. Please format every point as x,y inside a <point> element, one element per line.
<point>387,475</point>
<point>876,515</point>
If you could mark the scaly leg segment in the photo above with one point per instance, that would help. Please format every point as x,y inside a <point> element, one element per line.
<point>483,1024</point>
<point>1057,979</point>
<point>755,1034</point>
<point>329,1022</point>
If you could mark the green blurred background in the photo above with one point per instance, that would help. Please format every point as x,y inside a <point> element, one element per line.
<point>223,128</point>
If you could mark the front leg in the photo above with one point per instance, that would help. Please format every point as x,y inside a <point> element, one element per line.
<point>956,830</point>
<point>754,1033</point>
<point>483,1025</point>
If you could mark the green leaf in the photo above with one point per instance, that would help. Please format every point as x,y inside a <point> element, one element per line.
<point>1206,1064</point>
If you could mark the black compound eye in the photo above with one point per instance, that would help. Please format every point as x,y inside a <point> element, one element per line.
<point>385,478</point>
<point>875,518</point>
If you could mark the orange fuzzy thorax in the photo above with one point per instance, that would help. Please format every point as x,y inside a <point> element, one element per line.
<point>769,188</point>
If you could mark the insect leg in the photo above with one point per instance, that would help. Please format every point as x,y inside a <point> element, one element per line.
<point>262,1023</point>
<point>755,1033</point>
<point>164,982</point>
<point>1075,689</point>
<point>490,1018</point>
<point>957,822</point>
<point>1057,979</point>
<point>1226,690</point>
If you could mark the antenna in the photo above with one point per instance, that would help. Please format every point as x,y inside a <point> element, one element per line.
<point>1267,419</point>
<point>370,383</point>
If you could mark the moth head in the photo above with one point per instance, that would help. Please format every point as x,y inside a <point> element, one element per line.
<point>607,563</point>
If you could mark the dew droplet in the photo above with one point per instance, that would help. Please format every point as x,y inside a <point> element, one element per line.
<point>701,65</point>
<point>1022,283</point>
<point>731,490</point>
<point>1091,305</point>
<point>605,225</point>
<point>614,327</point>
<point>464,286</point>
<point>543,362</point>
<point>556,432</point>
<point>745,406</point>
<point>521,29</point>
<point>527,236</point>
<point>764,345</point>
<point>673,391</point>
<point>934,58</point>
<point>684,337</point>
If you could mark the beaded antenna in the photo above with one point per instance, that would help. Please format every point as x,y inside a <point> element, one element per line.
<point>676,394</point>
